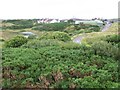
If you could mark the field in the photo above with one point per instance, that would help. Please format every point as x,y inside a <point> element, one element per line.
<point>53,60</point>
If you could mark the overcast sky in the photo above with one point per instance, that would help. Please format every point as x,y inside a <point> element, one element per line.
<point>29,9</point>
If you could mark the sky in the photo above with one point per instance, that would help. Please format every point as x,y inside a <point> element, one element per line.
<point>61,9</point>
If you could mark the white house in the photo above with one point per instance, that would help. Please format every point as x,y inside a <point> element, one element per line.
<point>46,20</point>
<point>55,21</point>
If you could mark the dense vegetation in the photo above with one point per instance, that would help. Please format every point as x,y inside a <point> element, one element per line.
<point>67,27</point>
<point>18,24</point>
<point>71,29</point>
<point>53,61</point>
<point>82,28</point>
<point>51,26</point>
<point>16,42</point>
<point>56,35</point>
<point>61,67</point>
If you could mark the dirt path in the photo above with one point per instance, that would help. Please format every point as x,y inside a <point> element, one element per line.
<point>79,38</point>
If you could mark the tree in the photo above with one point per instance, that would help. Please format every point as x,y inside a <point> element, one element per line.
<point>71,21</point>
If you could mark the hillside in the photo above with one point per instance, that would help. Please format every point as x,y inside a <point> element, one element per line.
<point>53,60</point>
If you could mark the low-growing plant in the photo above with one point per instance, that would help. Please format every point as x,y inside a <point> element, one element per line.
<point>113,38</point>
<point>70,45</point>
<point>103,48</point>
<point>57,68</point>
<point>16,42</point>
<point>32,36</point>
<point>56,35</point>
<point>42,43</point>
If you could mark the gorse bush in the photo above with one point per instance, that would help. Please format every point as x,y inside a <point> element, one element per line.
<point>113,38</point>
<point>37,44</point>
<point>115,41</point>
<point>56,35</point>
<point>103,48</point>
<point>70,45</point>
<point>16,42</point>
<point>53,61</point>
<point>42,43</point>
<point>58,68</point>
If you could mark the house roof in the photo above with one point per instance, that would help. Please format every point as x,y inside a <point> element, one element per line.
<point>49,20</point>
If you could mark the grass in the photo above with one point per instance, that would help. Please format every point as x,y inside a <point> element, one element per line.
<point>6,24</point>
<point>70,65</point>
<point>8,34</point>
<point>1,43</point>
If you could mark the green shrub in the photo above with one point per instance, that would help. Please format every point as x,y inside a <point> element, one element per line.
<point>16,42</point>
<point>19,24</point>
<point>59,68</point>
<point>51,27</point>
<point>42,43</point>
<point>113,38</point>
<point>82,28</point>
<point>103,48</point>
<point>51,42</point>
<point>32,37</point>
<point>1,39</point>
<point>56,35</point>
<point>70,45</point>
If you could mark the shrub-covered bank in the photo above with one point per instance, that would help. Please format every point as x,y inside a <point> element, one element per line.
<point>59,67</point>
<point>53,61</point>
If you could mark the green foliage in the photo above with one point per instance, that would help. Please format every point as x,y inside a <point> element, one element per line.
<point>113,38</point>
<point>16,41</point>
<point>70,45</point>
<point>42,43</point>
<point>115,41</point>
<point>51,27</point>
<point>54,61</point>
<point>82,28</point>
<point>19,24</point>
<point>58,67</point>
<point>56,35</point>
<point>87,26</point>
<point>103,48</point>
<point>69,28</point>
<point>36,44</point>
<point>32,37</point>
<point>2,40</point>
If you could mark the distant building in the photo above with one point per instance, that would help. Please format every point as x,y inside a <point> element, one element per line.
<point>48,20</point>
<point>91,22</point>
